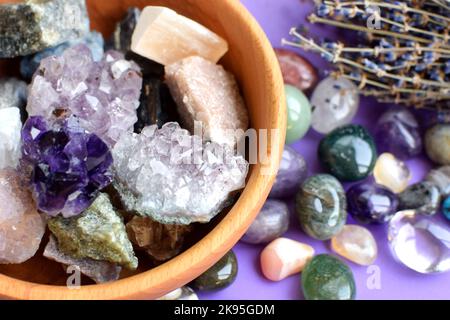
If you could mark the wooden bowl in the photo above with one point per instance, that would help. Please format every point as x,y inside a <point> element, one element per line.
<point>254,63</point>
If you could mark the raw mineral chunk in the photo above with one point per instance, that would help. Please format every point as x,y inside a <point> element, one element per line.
<point>157,106</point>
<point>124,30</point>
<point>103,95</point>
<point>21,226</point>
<point>98,233</point>
<point>205,92</point>
<point>173,177</point>
<point>166,37</point>
<point>99,271</point>
<point>68,166</point>
<point>35,25</point>
<point>13,93</point>
<point>93,40</point>
<point>161,241</point>
<point>10,127</point>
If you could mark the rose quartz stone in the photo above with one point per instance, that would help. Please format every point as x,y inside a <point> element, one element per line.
<point>207,94</point>
<point>284,257</point>
<point>166,37</point>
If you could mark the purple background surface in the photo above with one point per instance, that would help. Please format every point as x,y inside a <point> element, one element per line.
<point>396,281</point>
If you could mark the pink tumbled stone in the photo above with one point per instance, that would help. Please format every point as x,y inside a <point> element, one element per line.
<point>208,94</point>
<point>284,257</point>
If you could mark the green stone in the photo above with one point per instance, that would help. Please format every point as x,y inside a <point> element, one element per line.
<point>321,206</point>
<point>220,275</point>
<point>299,114</point>
<point>328,278</point>
<point>98,233</point>
<point>348,153</point>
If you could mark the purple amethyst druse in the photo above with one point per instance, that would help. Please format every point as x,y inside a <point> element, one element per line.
<point>68,165</point>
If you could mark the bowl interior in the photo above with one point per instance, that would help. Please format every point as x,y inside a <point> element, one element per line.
<point>252,61</point>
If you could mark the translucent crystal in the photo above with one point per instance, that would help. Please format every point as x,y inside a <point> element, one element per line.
<point>13,93</point>
<point>335,102</point>
<point>103,95</point>
<point>171,176</point>
<point>207,93</point>
<point>391,173</point>
<point>21,226</point>
<point>420,242</point>
<point>166,37</point>
<point>357,244</point>
<point>10,127</point>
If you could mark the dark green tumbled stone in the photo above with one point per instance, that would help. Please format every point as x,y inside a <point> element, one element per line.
<point>424,197</point>
<point>321,206</point>
<point>328,278</point>
<point>348,153</point>
<point>220,275</point>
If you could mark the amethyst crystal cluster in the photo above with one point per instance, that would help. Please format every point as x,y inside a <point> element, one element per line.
<point>103,95</point>
<point>69,165</point>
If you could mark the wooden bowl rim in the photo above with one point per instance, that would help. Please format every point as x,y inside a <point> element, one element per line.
<point>167,277</point>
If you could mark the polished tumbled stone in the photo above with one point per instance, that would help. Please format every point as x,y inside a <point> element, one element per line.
<point>271,223</point>
<point>397,132</point>
<point>441,178</point>
<point>357,244</point>
<point>183,293</point>
<point>284,257</point>
<point>424,197</point>
<point>437,144</point>
<point>99,233</point>
<point>32,26</point>
<point>291,174</point>
<point>220,275</point>
<point>446,208</point>
<point>299,114</point>
<point>348,153</point>
<point>371,203</point>
<point>420,242</point>
<point>321,206</point>
<point>392,173</point>
<point>328,278</point>
<point>335,102</point>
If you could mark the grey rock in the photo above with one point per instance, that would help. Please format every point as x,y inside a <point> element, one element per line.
<point>35,25</point>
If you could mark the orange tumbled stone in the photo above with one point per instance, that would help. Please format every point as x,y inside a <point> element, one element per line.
<point>284,257</point>
<point>355,243</point>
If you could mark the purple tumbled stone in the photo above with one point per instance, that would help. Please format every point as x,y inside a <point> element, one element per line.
<point>421,243</point>
<point>102,95</point>
<point>291,174</point>
<point>398,132</point>
<point>68,165</point>
<point>371,203</point>
<point>271,223</point>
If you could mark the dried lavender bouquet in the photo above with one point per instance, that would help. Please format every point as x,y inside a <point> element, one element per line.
<point>403,49</point>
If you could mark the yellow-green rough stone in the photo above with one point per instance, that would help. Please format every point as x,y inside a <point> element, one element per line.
<point>98,233</point>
